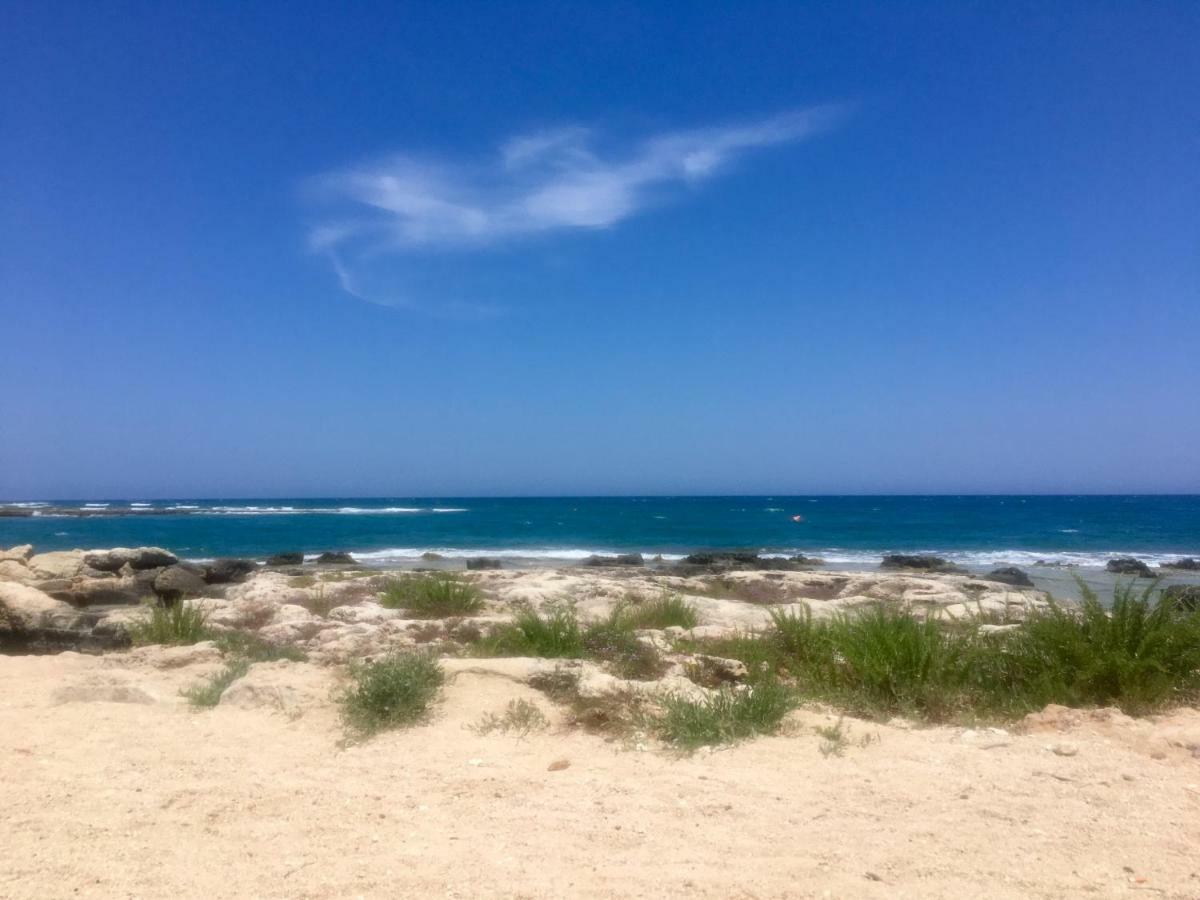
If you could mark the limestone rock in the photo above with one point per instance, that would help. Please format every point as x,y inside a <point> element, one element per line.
<point>57,564</point>
<point>19,554</point>
<point>25,609</point>
<point>292,688</point>
<point>228,571</point>
<point>137,558</point>
<point>103,689</point>
<point>176,582</point>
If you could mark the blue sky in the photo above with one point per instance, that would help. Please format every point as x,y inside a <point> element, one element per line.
<point>460,248</point>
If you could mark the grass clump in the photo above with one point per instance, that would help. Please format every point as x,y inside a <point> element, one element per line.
<point>178,624</point>
<point>1140,655</point>
<point>558,634</point>
<point>389,693</point>
<point>433,596</point>
<point>725,715</point>
<point>554,635</point>
<point>520,717</point>
<point>207,693</point>
<point>664,611</point>
<point>254,649</point>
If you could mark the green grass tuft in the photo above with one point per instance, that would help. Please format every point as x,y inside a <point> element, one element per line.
<point>179,623</point>
<point>554,635</point>
<point>207,693</point>
<point>664,611</point>
<point>432,596</point>
<point>253,648</point>
<point>724,716</point>
<point>389,693</point>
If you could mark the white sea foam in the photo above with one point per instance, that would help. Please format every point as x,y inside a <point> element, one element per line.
<point>402,554</point>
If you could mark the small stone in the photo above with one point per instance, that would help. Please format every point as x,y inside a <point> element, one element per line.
<point>1065,749</point>
<point>558,765</point>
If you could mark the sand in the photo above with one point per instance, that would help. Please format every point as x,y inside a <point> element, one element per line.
<point>113,787</point>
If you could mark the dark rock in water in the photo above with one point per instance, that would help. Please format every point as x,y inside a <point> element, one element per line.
<point>1127,565</point>
<point>430,556</point>
<point>623,559</point>
<point>1187,565</point>
<point>921,562</point>
<point>1010,575</point>
<point>137,558</point>
<point>336,559</point>
<point>483,562</point>
<point>176,582</point>
<point>286,559</point>
<point>803,560</point>
<point>228,571</point>
<point>726,560</point>
<point>723,558</point>
<point>1185,597</point>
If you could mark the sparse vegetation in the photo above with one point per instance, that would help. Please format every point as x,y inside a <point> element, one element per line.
<point>727,714</point>
<point>664,611</point>
<point>1140,655</point>
<point>253,648</point>
<point>432,596</point>
<point>520,717</point>
<point>319,603</point>
<point>389,693</point>
<point>207,693</point>
<point>833,739</point>
<point>180,623</point>
<point>557,634</point>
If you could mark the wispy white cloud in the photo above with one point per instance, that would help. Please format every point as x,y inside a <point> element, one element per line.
<point>559,179</point>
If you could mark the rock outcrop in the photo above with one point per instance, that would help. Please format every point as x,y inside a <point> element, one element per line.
<point>1010,575</point>
<point>229,571</point>
<point>920,562</point>
<point>1128,565</point>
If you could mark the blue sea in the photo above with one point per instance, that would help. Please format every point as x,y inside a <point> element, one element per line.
<point>848,530</point>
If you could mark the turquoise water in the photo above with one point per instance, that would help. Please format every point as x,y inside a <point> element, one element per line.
<point>1085,530</point>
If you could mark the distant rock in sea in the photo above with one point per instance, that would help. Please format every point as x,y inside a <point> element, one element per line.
<point>1128,565</point>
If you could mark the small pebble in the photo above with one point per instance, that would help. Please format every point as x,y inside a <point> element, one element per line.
<point>1065,749</point>
<point>558,765</point>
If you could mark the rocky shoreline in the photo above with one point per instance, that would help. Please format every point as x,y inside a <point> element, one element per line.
<point>87,600</point>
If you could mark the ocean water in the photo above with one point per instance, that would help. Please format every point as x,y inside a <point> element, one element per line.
<point>851,530</point>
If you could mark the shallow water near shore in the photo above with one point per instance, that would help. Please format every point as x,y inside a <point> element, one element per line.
<point>848,532</point>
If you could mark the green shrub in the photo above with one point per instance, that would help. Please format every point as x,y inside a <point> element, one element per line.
<point>208,693</point>
<point>1140,655</point>
<point>613,641</point>
<point>433,596</point>
<point>555,635</point>
<point>389,693</point>
<point>725,715</point>
<point>179,623</point>
<point>664,611</point>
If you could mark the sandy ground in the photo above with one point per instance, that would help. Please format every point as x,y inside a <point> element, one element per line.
<point>112,787</point>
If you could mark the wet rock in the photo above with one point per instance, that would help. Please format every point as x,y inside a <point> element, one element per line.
<point>921,562</point>
<point>336,559</point>
<point>176,582</point>
<point>623,559</point>
<point>1190,564</point>
<point>137,558</point>
<point>228,571</point>
<point>483,562</point>
<point>286,559</point>
<point>430,556</point>
<point>1127,565</point>
<point>1010,575</point>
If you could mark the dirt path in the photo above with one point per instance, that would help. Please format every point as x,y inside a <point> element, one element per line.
<point>145,798</point>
